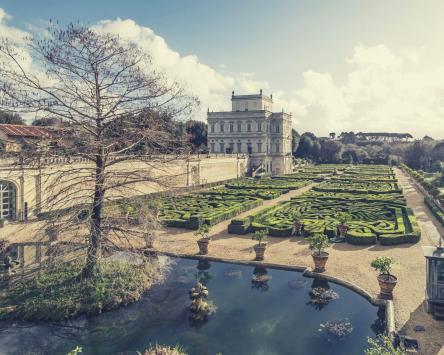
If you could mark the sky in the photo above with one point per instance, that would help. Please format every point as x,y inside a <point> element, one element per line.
<point>338,65</point>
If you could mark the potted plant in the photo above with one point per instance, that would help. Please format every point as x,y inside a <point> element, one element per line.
<point>260,235</point>
<point>3,245</point>
<point>2,222</point>
<point>204,238</point>
<point>387,281</point>
<point>319,242</point>
<point>298,227</point>
<point>342,228</point>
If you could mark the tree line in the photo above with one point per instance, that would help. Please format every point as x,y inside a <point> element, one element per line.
<point>423,154</point>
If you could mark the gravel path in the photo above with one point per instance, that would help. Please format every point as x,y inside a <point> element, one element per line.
<point>348,262</point>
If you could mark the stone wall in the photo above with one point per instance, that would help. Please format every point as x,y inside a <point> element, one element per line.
<point>61,183</point>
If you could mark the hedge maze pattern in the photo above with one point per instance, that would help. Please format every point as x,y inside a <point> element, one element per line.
<point>376,209</point>
<point>213,206</point>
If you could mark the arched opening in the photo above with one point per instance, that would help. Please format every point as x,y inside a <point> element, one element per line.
<point>8,198</point>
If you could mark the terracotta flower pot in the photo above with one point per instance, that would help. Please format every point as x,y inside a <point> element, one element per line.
<point>52,234</point>
<point>342,230</point>
<point>203,245</point>
<point>297,228</point>
<point>149,240</point>
<point>3,245</point>
<point>260,251</point>
<point>320,260</point>
<point>387,283</point>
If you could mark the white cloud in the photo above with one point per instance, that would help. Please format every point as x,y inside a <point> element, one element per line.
<point>212,87</point>
<point>12,33</point>
<point>383,91</point>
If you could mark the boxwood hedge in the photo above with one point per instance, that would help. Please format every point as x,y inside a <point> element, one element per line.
<point>215,205</point>
<point>377,211</point>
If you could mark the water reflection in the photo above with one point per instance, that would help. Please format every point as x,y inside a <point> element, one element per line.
<point>260,279</point>
<point>203,275</point>
<point>247,322</point>
<point>378,326</point>
<point>321,294</point>
<point>23,259</point>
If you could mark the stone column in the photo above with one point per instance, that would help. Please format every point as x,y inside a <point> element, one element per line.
<point>21,198</point>
<point>21,257</point>
<point>38,253</point>
<point>188,172</point>
<point>38,194</point>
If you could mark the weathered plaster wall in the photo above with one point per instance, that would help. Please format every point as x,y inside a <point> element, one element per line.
<point>64,184</point>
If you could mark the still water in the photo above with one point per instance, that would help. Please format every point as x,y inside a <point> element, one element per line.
<point>258,312</point>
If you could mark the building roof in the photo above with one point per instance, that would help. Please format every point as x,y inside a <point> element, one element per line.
<point>23,131</point>
<point>249,97</point>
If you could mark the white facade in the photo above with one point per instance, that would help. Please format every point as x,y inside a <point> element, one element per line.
<point>252,128</point>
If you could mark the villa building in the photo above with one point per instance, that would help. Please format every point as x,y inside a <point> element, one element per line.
<point>251,127</point>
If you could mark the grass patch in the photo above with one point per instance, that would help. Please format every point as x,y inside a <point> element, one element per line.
<point>60,293</point>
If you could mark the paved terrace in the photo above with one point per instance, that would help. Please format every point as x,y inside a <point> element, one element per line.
<point>347,262</point>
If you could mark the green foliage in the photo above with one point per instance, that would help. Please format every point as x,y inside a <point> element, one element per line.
<point>344,217</point>
<point>382,346</point>
<point>215,205</point>
<point>157,349</point>
<point>76,351</point>
<point>61,293</point>
<point>203,231</point>
<point>260,235</point>
<point>370,215</point>
<point>319,242</point>
<point>383,264</point>
<point>10,118</point>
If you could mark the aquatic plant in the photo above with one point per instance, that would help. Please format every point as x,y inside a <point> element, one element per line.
<point>339,328</point>
<point>199,307</point>
<point>157,349</point>
<point>77,350</point>
<point>320,295</point>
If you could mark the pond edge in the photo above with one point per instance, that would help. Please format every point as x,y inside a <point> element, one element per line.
<point>388,305</point>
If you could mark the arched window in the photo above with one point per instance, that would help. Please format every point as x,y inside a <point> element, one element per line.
<point>8,195</point>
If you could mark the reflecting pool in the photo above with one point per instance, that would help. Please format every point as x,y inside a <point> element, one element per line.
<point>257,311</point>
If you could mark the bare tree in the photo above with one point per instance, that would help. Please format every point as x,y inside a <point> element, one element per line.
<point>118,114</point>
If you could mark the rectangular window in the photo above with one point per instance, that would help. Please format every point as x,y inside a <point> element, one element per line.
<point>213,147</point>
<point>212,128</point>
<point>231,127</point>
<point>259,127</point>
<point>249,148</point>
<point>222,147</point>
<point>221,127</point>
<point>277,129</point>
<point>277,147</point>
<point>259,147</point>
<point>248,127</point>
<point>239,147</point>
<point>239,127</point>
<point>440,270</point>
<point>231,148</point>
